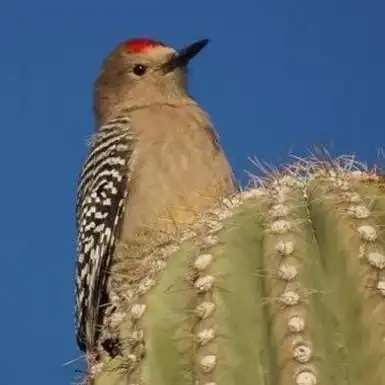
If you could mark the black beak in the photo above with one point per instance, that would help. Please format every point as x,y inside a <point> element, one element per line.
<point>183,56</point>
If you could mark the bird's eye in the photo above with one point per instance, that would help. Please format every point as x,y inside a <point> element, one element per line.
<point>139,69</point>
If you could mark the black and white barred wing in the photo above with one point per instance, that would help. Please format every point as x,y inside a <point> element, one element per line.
<point>102,192</point>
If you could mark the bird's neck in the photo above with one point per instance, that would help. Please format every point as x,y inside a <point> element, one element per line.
<point>127,108</point>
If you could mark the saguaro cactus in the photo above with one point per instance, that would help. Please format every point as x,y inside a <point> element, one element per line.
<point>282,285</point>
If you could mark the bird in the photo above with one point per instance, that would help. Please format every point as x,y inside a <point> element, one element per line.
<point>154,162</point>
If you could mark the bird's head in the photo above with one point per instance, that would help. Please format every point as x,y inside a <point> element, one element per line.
<point>140,72</point>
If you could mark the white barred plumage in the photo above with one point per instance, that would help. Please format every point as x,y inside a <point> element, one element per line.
<point>102,190</point>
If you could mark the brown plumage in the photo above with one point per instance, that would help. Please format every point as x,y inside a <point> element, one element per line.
<point>174,168</point>
<point>180,169</point>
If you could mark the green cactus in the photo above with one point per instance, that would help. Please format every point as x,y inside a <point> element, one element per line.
<point>282,285</point>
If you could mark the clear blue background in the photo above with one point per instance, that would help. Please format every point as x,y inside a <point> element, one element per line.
<point>277,77</point>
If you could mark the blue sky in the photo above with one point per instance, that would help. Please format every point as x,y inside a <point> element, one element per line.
<point>278,76</point>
